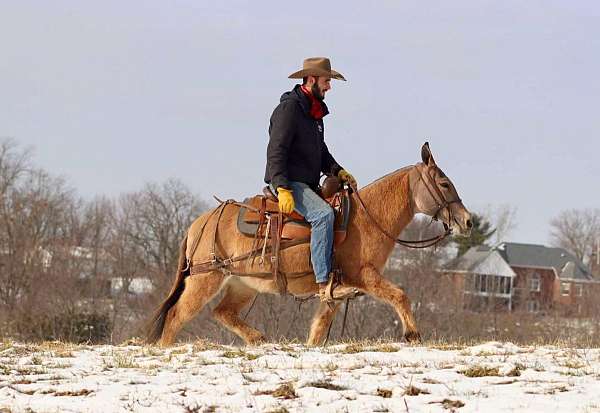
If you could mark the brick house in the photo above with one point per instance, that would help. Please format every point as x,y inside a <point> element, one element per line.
<point>522,277</point>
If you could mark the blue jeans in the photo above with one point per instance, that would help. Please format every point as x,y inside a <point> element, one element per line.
<point>321,218</point>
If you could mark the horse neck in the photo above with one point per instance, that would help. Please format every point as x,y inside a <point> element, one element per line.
<point>389,202</point>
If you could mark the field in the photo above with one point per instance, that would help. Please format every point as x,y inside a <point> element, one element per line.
<point>289,377</point>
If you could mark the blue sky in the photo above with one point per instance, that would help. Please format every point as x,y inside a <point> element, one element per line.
<point>114,94</point>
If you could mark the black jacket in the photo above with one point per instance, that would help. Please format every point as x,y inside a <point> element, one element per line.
<point>297,150</point>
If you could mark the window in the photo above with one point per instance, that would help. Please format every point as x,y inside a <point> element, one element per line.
<point>493,284</point>
<point>535,283</point>
<point>507,285</point>
<point>579,290</point>
<point>565,289</point>
<point>481,283</point>
<point>533,306</point>
<point>502,285</point>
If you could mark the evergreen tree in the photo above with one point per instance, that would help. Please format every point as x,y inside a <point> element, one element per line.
<point>481,232</point>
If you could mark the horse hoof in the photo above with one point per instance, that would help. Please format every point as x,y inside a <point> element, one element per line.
<point>257,341</point>
<point>412,337</point>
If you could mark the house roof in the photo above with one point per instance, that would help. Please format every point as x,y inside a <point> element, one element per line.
<point>470,259</point>
<point>566,265</point>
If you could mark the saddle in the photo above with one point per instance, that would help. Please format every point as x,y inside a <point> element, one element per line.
<point>259,217</point>
<point>262,210</point>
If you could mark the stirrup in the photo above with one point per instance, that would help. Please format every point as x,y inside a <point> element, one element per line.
<point>328,296</point>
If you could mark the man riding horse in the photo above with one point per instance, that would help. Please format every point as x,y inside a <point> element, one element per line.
<point>296,157</point>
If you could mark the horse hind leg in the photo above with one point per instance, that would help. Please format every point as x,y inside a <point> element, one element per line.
<point>199,290</point>
<point>227,312</point>
<point>320,324</point>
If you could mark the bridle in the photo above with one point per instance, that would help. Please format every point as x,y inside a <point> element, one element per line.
<point>441,204</point>
<point>440,200</point>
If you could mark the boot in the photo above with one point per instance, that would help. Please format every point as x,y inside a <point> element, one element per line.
<point>333,290</point>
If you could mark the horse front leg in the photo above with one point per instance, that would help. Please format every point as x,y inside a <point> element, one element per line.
<point>372,283</point>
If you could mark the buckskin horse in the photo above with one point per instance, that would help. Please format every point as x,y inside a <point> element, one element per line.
<point>378,214</point>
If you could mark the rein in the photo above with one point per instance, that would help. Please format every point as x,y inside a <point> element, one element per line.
<point>424,243</point>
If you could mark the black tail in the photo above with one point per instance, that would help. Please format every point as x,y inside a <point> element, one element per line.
<point>157,323</point>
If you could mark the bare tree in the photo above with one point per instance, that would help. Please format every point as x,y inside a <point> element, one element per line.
<point>576,230</point>
<point>33,218</point>
<point>155,220</point>
<point>503,218</point>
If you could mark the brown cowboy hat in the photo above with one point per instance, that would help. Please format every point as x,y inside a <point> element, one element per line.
<point>317,66</point>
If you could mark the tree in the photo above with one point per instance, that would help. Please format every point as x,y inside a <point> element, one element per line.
<point>576,230</point>
<point>481,232</point>
<point>503,219</point>
<point>34,222</point>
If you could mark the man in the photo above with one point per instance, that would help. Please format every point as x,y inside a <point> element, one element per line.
<point>296,156</point>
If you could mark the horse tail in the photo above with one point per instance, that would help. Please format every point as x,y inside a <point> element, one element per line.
<point>157,323</point>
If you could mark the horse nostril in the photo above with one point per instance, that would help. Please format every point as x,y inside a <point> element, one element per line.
<point>469,224</point>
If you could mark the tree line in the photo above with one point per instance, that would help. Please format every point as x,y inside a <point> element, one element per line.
<point>94,269</point>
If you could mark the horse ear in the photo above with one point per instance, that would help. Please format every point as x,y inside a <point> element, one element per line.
<point>426,154</point>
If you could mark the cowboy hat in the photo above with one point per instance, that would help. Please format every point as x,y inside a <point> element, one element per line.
<point>317,66</point>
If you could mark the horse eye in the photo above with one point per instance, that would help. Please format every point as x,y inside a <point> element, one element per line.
<point>445,185</point>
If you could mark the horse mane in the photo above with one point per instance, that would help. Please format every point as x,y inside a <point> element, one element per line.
<point>388,199</point>
<point>402,170</point>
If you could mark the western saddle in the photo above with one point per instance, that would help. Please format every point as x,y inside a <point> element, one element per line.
<point>259,217</point>
<point>253,221</point>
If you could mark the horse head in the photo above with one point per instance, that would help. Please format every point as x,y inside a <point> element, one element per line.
<point>434,194</point>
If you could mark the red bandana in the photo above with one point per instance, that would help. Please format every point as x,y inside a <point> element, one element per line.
<point>316,108</point>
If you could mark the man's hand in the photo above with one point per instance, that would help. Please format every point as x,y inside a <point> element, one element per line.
<point>346,177</point>
<point>286,200</point>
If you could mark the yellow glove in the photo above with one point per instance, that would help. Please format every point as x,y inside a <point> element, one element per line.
<point>286,200</point>
<point>346,177</point>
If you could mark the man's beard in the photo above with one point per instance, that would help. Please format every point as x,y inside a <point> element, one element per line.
<point>316,92</point>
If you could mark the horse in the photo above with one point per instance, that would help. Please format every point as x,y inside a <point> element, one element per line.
<point>379,213</point>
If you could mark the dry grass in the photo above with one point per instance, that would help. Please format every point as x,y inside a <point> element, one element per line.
<point>230,354</point>
<point>360,346</point>
<point>279,409</point>
<point>353,349</point>
<point>428,380</point>
<point>22,381</point>
<point>121,361</point>
<point>481,371</point>
<point>71,393</point>
<point>5,344</point>
<point>285,391</point>
<point>449,404</point>
<point>572,364</point>
<point>152,351</point>
<point>63,354</point>
<point>60,347</point>
<point>499,383</point>
<point>4,369</point>
<point>330,367</point>
<point>325,384</point>
<point>549,391</point>
<point>205,345</point>
<point>133,341</point>
<point>178,351</point>
<point>446,345</point>
<point>516,370</point>
<point>385,393</point>
<point>414,391</point>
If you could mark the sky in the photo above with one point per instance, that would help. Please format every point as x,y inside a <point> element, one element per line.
<point>115,94</point>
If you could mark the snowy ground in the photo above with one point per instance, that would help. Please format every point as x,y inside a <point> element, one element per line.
<point>359,377</point>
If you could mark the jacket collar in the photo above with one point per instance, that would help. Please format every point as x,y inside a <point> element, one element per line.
<point>305,101</point>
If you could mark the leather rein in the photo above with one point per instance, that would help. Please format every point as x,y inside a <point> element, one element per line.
<point>441,204</point>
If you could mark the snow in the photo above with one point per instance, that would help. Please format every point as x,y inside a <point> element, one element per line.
<point>355,377</point>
